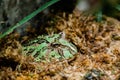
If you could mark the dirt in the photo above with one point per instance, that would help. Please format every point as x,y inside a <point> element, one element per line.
<point>98,57</point>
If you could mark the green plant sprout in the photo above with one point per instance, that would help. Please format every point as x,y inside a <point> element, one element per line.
<point>99,7</point>
<point>27,18</point>
<point>109,8</point>
<point>117,7</point>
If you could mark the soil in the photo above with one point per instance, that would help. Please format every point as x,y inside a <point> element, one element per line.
<point>98,56</point>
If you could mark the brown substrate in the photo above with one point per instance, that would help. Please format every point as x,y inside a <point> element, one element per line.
<point>98,57</point>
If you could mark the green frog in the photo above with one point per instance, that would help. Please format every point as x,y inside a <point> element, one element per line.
<point>49,47</point>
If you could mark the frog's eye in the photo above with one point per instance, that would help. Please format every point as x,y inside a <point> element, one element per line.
<point>54,45</point>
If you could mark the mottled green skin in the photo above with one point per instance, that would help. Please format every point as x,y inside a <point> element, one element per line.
<point>48,47</point>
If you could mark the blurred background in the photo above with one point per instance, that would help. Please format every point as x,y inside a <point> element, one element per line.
<point>12,11</point>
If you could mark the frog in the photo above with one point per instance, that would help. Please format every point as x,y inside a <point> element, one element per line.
<point>48,47</point>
